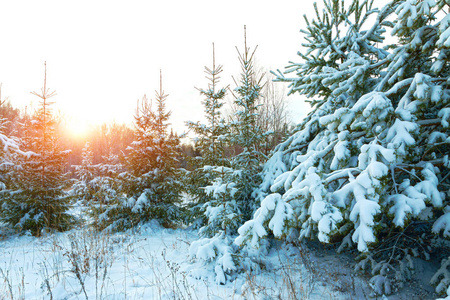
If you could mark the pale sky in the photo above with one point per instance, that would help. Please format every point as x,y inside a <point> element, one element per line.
<point>102,56</point>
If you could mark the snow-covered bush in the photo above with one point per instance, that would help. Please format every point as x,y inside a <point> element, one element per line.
<point>370,162</point>
<point>219,250</point>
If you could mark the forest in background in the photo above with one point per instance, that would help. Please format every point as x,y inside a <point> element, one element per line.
<point>113,138</point>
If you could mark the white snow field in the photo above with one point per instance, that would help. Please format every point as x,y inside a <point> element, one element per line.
<point>149,263</point>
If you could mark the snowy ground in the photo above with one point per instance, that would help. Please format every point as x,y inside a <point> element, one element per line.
<point>153,263</point>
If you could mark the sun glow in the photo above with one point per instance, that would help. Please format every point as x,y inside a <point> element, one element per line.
<point>78,128</point>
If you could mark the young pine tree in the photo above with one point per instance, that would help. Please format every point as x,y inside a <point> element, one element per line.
<point>210,141</point>
<point>231,193</point>
<point>35,197</point>
<point>151,183</point>
<point>246,134</point>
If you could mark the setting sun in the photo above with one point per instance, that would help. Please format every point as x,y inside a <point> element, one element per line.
<point>77,128</point>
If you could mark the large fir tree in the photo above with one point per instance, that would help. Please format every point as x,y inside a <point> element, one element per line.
<point>369,165</point>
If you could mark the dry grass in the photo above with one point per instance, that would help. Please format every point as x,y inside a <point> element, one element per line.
<point>88,265</point>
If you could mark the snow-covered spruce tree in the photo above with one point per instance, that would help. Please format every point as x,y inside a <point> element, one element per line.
<point>97,186</point>
<point>9,153</point>
<point>151,181</point>
<point>82,190</point>
<point>232,199</point>
<point>369,165</point>
<point>35,197</point>
<point>247,136</point>
<point>208,183</point>
<point>9,146</point>
<point>210,141</point>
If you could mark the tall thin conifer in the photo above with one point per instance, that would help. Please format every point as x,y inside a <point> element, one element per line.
<point>36,196</point>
